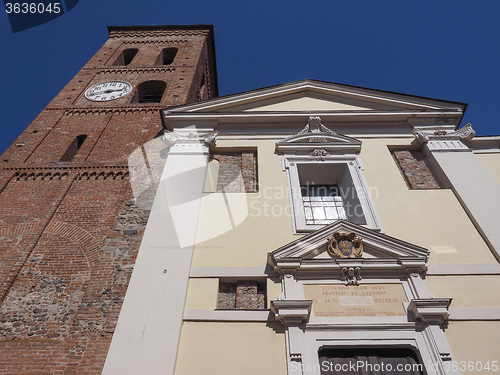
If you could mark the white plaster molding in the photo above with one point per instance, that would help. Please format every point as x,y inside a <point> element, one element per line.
<point>464,134</point>
<point>392,256</point>
<point>345,169</point>
<point>207,272</point>
<point>463,269</point>
<point>416,283</point>
<point>190,141</point>
<point>492,150</point>
<point>431,349</point>
<point>432,311</point>
<point>358,94</point>
<point>396,262</point>
<point>291,312</point>
<point>444,140</point>
<point>473,314</point>
<point>229,315</point>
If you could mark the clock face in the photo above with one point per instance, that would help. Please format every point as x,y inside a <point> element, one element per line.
<point>110,90</point>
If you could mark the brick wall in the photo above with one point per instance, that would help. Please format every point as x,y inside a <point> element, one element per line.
<point>70,231</point>
<point>237,171</point>
<point>243,294</point>
<point>414,168</point>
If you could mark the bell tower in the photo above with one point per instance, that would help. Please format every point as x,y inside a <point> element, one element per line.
<point>69,228</point>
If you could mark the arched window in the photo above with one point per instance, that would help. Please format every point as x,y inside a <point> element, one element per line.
<point>73,148</point>
<point>149,92</point>
<point>126,56</point>
<point>166,56</point>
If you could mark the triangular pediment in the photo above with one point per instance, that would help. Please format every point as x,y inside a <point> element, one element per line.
<point>316,96</point>
<point>315,134</point>
<point>308,100</point>
<point>379,250</point>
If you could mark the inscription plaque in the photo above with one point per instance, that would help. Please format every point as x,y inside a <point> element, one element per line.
<point>362,300</point>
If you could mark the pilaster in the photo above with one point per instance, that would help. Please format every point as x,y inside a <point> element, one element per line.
<point>148,329</point>
<point>475,188</point>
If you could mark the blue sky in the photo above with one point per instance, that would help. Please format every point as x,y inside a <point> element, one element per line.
<point>440,49</point>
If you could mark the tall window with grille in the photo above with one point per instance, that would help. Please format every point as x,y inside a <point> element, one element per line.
<point>323,204</point>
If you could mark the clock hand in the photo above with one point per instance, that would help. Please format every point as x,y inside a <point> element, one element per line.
<point>106,91</point>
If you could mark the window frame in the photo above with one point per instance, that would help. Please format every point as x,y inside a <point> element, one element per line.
<point>351,165</point>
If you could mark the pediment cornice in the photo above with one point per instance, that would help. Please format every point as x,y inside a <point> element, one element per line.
<point>280,111</point>
<point>382,254</point>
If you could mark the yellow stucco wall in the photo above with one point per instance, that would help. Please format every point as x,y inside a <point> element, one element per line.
<point>466,291</point>
<point>231,348</point>
<point>202,294</point>
<point>433,219</point>
<point>267,224</point>
<point>492,164</point>
<point>311,103</point>
<point>474,341</point>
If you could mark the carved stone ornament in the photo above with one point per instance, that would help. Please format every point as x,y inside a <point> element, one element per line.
<point>314,125</point>
<point>345,245</point>
<point>211,138</point>
<point>464,134</point>
<point>351,275</point>
<point>207,138</point>
<point>169,137</point>
<point>319,154</point>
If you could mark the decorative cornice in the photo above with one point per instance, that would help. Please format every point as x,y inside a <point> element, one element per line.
<point>104,110</point>
<point>156,41</point>
<point>318,268</point>
<point>464,134</point>
<point>60,172</point>
<point>59,167</point>
<point>292,312</point>
<point>156,33</point>
<point>190,138</point>
<point>389,252</point>
<point>432,311</point>
<point>79,175</point>
<point>137,69</point>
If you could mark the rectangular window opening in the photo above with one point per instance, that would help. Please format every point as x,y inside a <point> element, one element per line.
<point>232,172</point>
<point>328,193</point>
<point>242,295</point>
<point>415,169</point>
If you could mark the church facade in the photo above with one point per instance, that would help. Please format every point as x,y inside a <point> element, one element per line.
<point>152,227</point>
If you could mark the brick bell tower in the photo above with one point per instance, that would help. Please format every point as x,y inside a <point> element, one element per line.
<point>69,228</point>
